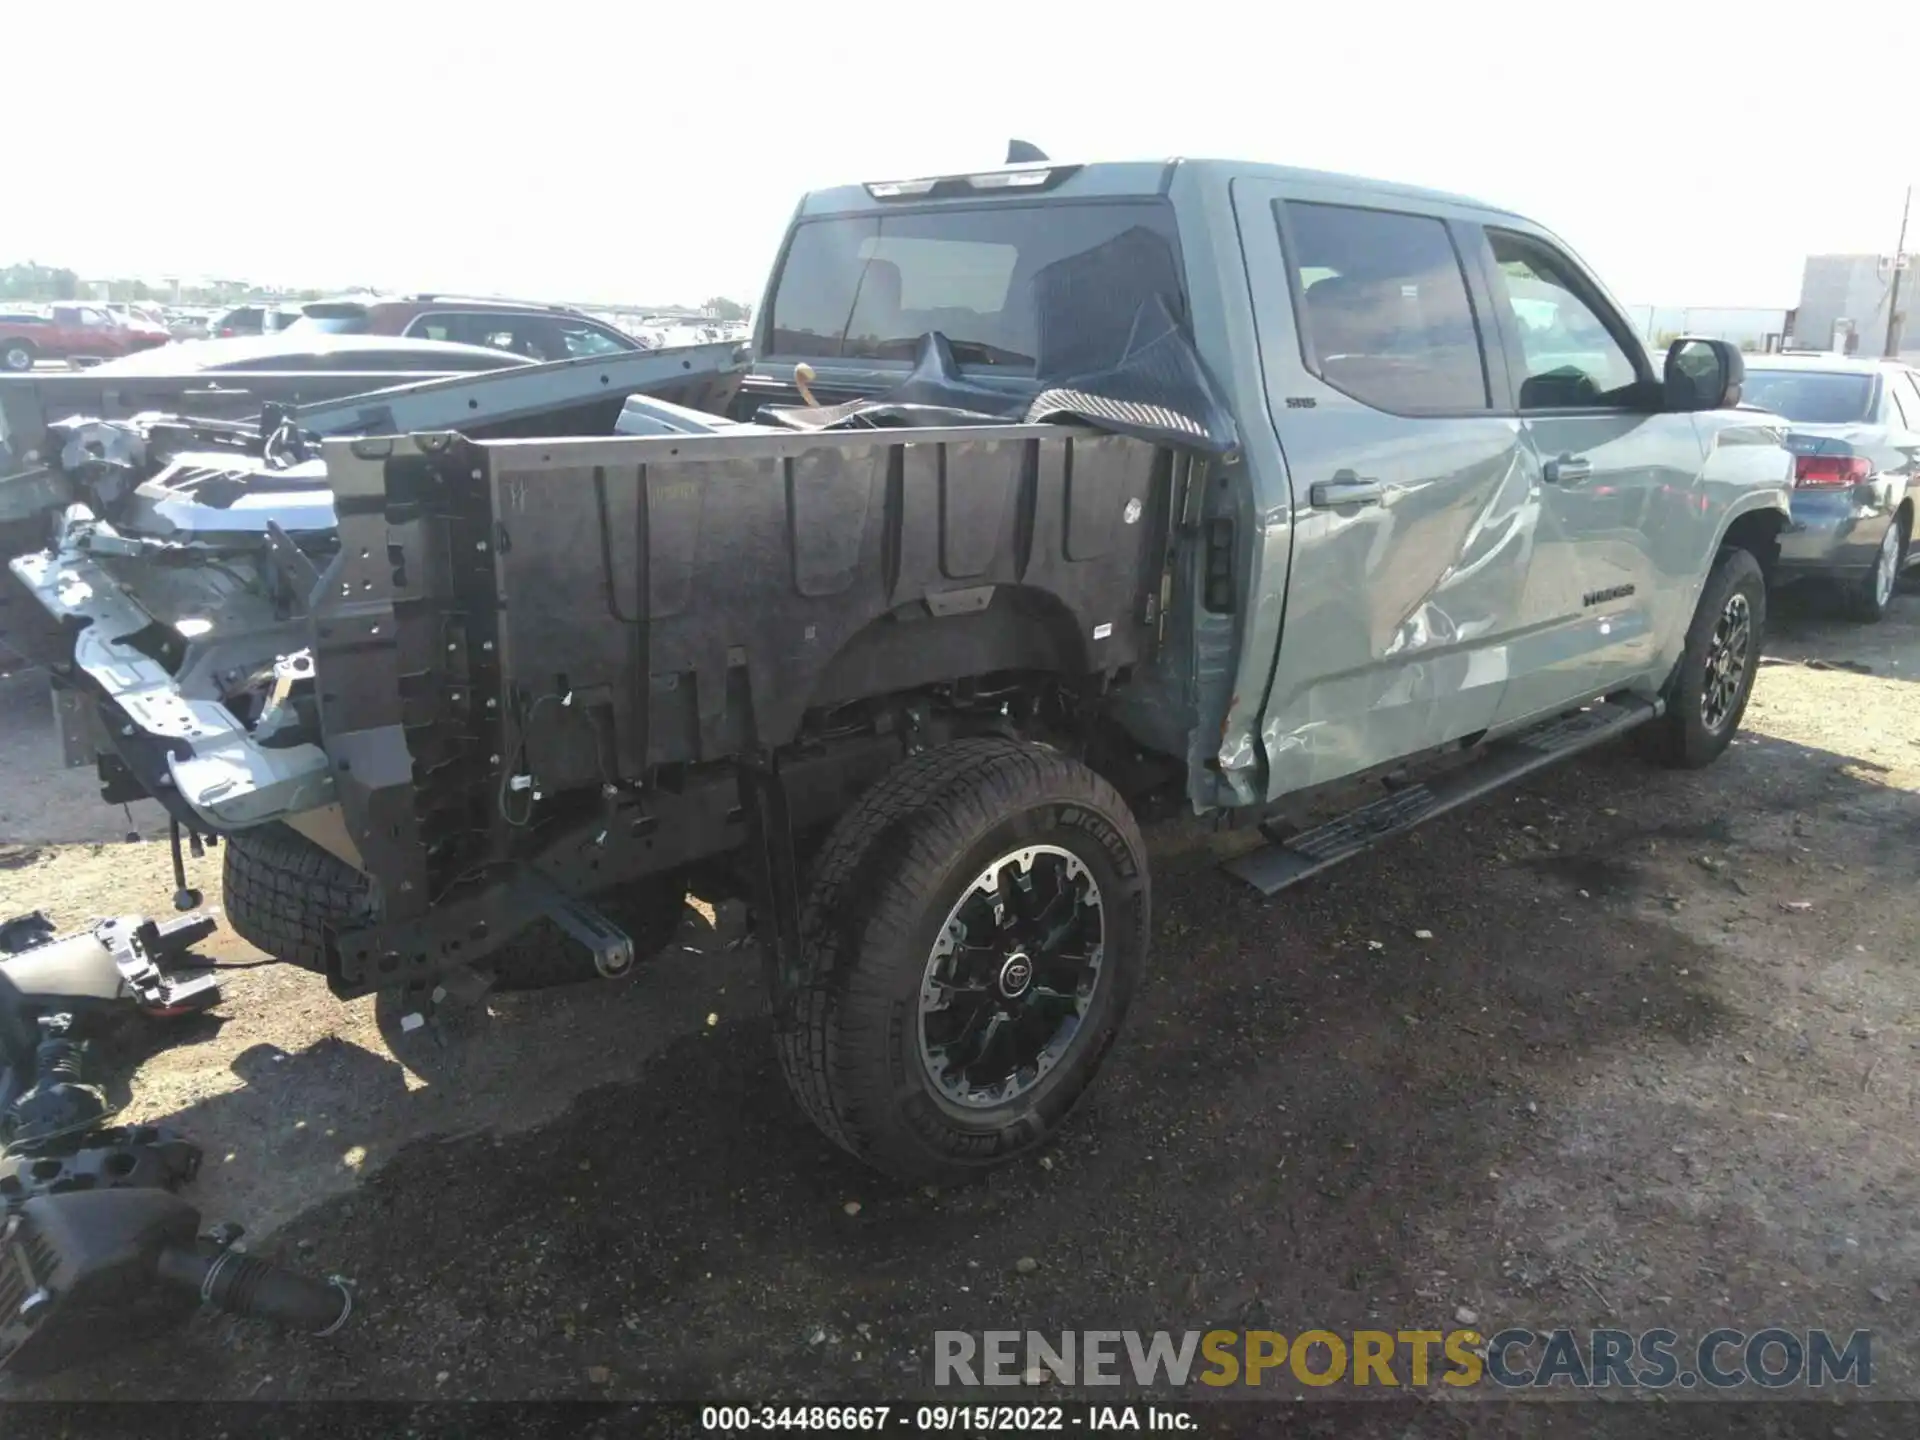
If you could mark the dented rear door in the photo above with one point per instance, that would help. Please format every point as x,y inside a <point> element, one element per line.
<point>1414,502</point>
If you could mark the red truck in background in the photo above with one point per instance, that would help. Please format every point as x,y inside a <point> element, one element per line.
<point>69,332</point>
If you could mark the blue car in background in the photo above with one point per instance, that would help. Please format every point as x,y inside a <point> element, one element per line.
<point>1854,429</point>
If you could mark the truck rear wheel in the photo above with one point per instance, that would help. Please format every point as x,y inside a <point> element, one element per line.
<point>1708,692</point>
<point>283,895</point>
<point>17,355</point>
<point>973,933</point>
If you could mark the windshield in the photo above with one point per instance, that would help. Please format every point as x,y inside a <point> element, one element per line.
<point>1811,397</point>
<point>1050,289</point>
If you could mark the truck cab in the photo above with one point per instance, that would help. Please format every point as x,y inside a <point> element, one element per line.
<point>1463,499</point>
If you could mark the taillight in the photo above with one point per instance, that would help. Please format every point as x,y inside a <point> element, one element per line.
<point>1830,472</point>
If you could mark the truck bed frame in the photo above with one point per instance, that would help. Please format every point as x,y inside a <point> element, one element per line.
<point>549,666</point>
<point>540,668</point>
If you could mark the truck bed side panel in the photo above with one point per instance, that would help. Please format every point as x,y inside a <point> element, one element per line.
<point>690,599</point>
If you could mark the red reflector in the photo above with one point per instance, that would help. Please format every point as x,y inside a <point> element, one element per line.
<point>1817,472</point>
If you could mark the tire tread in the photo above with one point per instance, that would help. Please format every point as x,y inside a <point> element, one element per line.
<point>1676,740</point>
<point>868,887</point>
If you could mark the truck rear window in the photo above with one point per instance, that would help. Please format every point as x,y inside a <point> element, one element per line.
<point>1050,289</point>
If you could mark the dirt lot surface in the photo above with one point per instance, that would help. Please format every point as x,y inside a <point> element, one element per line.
<point>1625,1048</point>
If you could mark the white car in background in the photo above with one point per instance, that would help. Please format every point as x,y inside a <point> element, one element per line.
<point>185,324</point>
<point>130,313</point>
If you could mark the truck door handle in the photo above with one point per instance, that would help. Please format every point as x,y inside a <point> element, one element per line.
<point>1567,470</point>
<point>1331,494</point>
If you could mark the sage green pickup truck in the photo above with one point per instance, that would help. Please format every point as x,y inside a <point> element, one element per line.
<point>1050,487</point>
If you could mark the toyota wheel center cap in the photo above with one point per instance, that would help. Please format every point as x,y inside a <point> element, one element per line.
<point>1016,975</point>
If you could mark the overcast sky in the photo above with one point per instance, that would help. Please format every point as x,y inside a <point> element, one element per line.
<point>652,152</point>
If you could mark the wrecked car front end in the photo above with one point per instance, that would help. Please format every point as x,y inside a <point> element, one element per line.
<point>186,622</point>
<point>171,565</point>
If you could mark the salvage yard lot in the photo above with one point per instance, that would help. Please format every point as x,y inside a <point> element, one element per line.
<point>1655,1066</point>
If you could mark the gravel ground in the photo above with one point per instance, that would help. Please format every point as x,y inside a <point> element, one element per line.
<point>1623,1048</point>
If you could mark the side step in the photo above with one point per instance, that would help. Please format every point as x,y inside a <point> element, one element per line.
<point>1274,867</point>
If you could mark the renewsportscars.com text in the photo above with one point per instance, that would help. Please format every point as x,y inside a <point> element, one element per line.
<point>1771,1357</point>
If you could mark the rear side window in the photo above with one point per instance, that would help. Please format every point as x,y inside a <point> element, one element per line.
<point>1810,397</point>
<point>335,318</point>
<point>579,338</point>
<point>536,337</point>
<point>1383,308</point>
<point>1046,289</point>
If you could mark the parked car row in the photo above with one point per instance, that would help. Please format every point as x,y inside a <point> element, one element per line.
<point>72,332</point>
<point>524,330</point>
<point>531,331</point>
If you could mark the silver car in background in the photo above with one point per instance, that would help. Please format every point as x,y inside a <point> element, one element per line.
<point>1854,429</point>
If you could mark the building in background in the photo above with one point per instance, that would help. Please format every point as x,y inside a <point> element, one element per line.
<point>1754,328</point>
<point>1845,302</point>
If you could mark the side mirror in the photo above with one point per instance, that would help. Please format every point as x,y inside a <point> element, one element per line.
<point>1703,374</point>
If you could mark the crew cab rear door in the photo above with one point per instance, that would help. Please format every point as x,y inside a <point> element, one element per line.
<point>1412,493</point>
<point>1616,470</point>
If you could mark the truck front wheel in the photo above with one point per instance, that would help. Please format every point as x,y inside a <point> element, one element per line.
<point>973,933</point>
<point>1708,692</point>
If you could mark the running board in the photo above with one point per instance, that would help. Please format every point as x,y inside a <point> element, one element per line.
<point>1274,867</point>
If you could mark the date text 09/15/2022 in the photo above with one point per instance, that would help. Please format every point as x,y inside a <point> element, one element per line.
<point>947,1419</point>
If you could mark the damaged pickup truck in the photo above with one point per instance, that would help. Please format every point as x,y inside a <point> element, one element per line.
<point>1050,486</point>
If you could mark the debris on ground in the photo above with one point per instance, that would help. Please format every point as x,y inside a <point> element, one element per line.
<point>102,1248</point>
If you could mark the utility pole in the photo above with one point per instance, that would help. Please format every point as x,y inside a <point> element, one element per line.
<point>1893,298</point>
